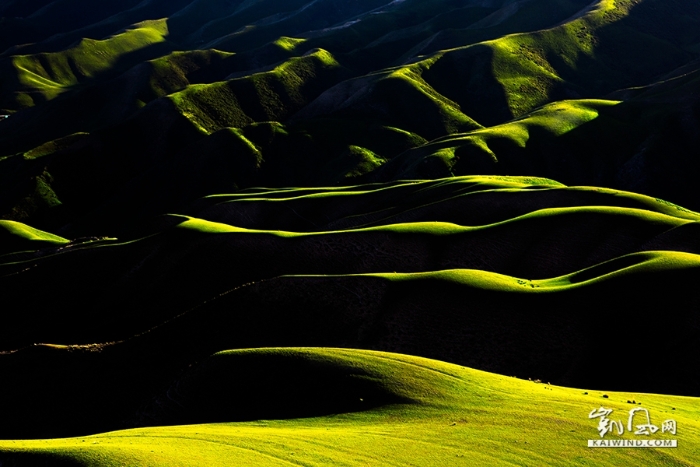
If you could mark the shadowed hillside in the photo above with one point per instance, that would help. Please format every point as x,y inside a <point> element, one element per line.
<point>202,202</point>
<point>217,97</point>
<point>517,276</point>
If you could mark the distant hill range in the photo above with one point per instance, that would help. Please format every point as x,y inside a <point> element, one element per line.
<point>122,110</point>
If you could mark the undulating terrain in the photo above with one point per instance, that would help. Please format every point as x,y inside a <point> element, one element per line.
<point>347,231</point>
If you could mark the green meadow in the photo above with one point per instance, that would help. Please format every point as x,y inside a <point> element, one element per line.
<point>349,233</point>
<point>419,412</point>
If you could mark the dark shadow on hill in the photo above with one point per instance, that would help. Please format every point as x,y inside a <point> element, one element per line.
<point>588,338</point>
<point>22,133</point>
<point>267,385</point>
<point>469,80</point>
<point>24,23</point>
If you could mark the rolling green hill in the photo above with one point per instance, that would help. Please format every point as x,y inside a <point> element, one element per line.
<point>328,93</point>
<point>345,407</point>
<point>41,77</point>
<point>517,276</point>
<point>320,232</point>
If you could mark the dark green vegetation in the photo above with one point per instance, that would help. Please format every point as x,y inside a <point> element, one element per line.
<point>179,178</point>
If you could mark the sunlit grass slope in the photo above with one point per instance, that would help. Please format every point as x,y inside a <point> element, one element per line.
<point>465,200</point>
<point>387,409</point>
<point>58,27</point>
<point>26,23</point>
<point>538,142</point>
<point>111,101</point>
<point>556,329</point>
<point>368,174</point>
<point>15,236</point>
<point>42,77</point>
<point>515,275</point>
<point>314,93</point>
<point>608,45</point>
<point>267,96</point>
<point>479,221</point>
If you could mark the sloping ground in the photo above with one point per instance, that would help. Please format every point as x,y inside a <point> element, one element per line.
<point>16,236</point>
<point>516,276</point>
<point>350,407</point>
<point>372,175</point>
<point>42,77</point>
<point>532,229</point>
<point>219,97</point>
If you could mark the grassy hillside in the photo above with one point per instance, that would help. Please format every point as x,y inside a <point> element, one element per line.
<point>508,186</point>
<point>343,407</point>
<point>504,274</point>
<point>312,94</point>
<point>27,79</point>
<point>19,237</point>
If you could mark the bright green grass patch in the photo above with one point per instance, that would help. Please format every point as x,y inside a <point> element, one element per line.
<point>204,226</point>
<point>555,119</point>
<point>265,96</point>
<point>550,121</point>
<point>563,116</point>
<point>289,43</point>
<point>16,235</point>
<point>459,416</point>
<point>51,73</point>
<point>592,53</point>
<point>632,264</point>
<point>170,73</point>
<point>526,76</point>
<point>461,185</point>
<point>521,62</point>
<point>363,161</point>
<point>449,110</point>
<point>446,228</point>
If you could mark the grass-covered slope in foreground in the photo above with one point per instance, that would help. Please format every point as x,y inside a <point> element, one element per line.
<point>348,407</point>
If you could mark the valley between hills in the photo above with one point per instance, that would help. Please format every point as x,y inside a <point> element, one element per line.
<point>337,232</point>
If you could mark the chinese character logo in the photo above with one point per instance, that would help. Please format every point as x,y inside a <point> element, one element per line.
<point>669,426</point>
<point>605,425</point>
<point>644,429</point>
<point>638,422</point>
